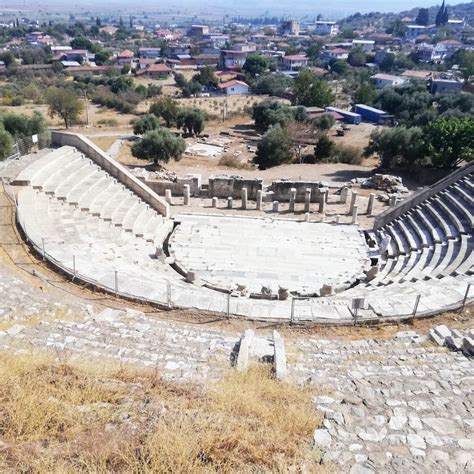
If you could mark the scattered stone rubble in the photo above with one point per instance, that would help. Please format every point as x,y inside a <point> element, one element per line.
<point>396,405</point>
<point>385,182</point>
<point>455,340</point>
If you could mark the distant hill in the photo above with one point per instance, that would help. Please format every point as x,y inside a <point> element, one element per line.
<point>462,10</point>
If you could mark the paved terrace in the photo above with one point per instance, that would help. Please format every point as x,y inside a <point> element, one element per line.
<point>228,251</point>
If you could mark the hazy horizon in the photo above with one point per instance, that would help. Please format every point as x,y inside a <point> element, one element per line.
<point>299,8</point>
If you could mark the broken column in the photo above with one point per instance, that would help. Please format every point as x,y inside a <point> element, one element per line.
<point>244,198</point>
<point>292,199</point>
<point>214,202</point>
<point>354,214</point>
<point>276,206</point>
<point>259,200</point>
<point>370,205</point>
<point>344,195</point>
<point>187,194</point>
<point>168,196</point>
<point>230,202</point>
<point>322,203</point>
<point>393,200</point>
<point>307,199</point>
<point>353,201</point>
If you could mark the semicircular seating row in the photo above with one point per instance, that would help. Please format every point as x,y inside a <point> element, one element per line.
<point>89,222</point>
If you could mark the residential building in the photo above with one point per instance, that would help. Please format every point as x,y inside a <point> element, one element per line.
<point>384,80</point>
<point>231,59</point>
<point>366,45</point>
<point>289,27</point>
<point>198,30</point>
<point>155,70</point>
<point>234,87</point>
<point>125,57</point>
<point>294,62</point>
<point>444,83</point>
<point>456,25</point>
<point>325,28</point>
<point>445,49</point>
<point>149,53</point>
<point>109,29</point>
<point>413,31</point>
<point>336,53</point>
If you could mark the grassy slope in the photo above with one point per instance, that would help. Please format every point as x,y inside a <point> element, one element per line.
<point>68,418</point>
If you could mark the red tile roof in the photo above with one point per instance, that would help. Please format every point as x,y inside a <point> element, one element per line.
<point>231,83</point>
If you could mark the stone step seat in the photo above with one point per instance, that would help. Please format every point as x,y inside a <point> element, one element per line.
<point>56,167</point>
<point>466,267</point>
<point>467,182</point>
<point>421,262</point>
<point>84,197</point>
<point>448,230</point>
<point>463,194</point>
<point>108,195</point>
<point>432,259</point>
<point>401,264</point>
<point>410,237</point>
<point>414,260</point>
<point>75,167</point>
<point>401,246</point>
<point>151,227</point>
<point>132,214</point>
<point>26,175</point>
<point>457,221</point>
<point>447,255</point>
<point>115,201</point>
<point>430,224</point>
<point>466,250</point>
<point>122,208</point>
<point>424,235</point>
<point>462,208</point>
<point>73,187</point>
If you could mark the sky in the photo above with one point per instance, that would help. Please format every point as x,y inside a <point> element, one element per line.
<point>333,9</point>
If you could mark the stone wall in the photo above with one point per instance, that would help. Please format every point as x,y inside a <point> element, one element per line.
<point>281,190</point>
<point>231,186</point>
<point>115,169</point>
<point>176,187</point>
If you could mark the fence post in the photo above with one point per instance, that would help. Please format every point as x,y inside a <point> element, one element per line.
<point>116,282</point>
<point>228,305</point>
<point>292,315</point>
<point>415,309</point>
<point>73,267</point>
<point>42,245</point>
<point>168,292</point>
<point>466,295</point>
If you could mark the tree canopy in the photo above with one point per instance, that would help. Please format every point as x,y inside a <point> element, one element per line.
<point>275,148</point>
<point>65,103</point>
<point>310,91</point>
<point>166,108</point>
<point>255,64</point>
<point>158,146</point>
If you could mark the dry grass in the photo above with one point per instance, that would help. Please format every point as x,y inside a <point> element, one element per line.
<point>69,418</point>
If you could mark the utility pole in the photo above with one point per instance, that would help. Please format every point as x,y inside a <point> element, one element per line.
<point>87,108</point>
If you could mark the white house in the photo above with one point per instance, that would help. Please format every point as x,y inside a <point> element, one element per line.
<point>384,80</point>
<point>234,87</point>
<point>336,53</point>
<point>324,28</point>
